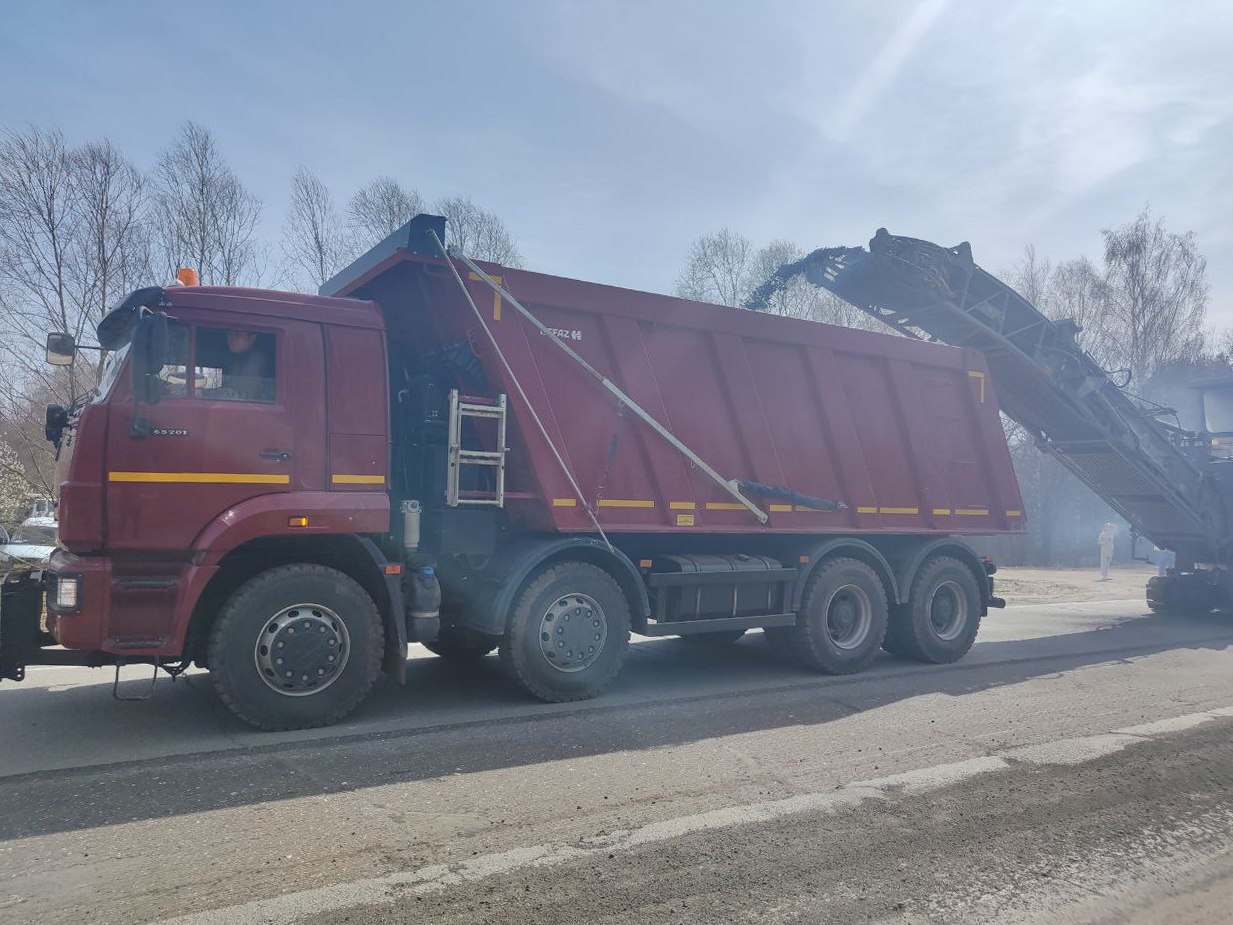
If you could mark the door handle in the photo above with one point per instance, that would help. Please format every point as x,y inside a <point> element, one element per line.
<point>275,454</point>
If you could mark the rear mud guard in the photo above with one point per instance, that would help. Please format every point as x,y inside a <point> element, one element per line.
<point>21,636</point>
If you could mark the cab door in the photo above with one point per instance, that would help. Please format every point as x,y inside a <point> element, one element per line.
<point>222,434</point>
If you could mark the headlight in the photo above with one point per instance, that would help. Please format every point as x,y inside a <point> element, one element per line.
<point>66,592</point>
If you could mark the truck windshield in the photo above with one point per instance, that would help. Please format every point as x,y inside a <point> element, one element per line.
<point>112,362</point>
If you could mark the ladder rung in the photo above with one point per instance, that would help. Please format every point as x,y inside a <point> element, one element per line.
<point>463,460</point>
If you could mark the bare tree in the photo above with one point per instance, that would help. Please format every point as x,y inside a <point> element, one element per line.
<point>478,233</point>
<point>1155,294</point>
<point>314,239</point>
<point>798,299</point>
<point>723,268</point>
<point>1077,293</point>
<point>383,206</point>
<point>39,227</point>
<point>72,240</point>
<point>112,249</point>
<point>720,268</point>
<point>203,215</point>
<point>1032,278</point>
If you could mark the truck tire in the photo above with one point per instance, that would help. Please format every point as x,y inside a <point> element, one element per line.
<point>940,622</point>
<point>1180,595</point>
<point>275,679</point>
<point>842,620</point>
<point>568,634</point>
<point>459,644</point>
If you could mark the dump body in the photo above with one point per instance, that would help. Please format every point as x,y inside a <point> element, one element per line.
<point>905,434</point>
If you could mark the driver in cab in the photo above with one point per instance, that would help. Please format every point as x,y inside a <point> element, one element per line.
<point>247,368</point>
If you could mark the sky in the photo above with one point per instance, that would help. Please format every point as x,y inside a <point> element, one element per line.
<point>609,135</point>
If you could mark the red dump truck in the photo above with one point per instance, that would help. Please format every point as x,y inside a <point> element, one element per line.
<point>287,489</point>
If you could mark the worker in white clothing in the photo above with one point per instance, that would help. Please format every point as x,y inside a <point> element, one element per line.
<point>1107,535</point>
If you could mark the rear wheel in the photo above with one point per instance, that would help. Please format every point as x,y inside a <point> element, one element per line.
<point>842,619</point>
<point>296,647</point>
<point>940,622</point>
<point>569,633</point>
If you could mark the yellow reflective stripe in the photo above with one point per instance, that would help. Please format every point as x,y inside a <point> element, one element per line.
<point>564,502</point>
<point>199,478</point>
<point>622,502</point>
<point>780,508</point>
<point>941,512</point>
<point>724,506</point>
<point>866,510</point>
<point>973,511</point>
<point>1014,513</point>
<point>898,510</point>
<point>977,374</point>
<point>496,296</point>
<point>342,479</point>
<point>682,505</point>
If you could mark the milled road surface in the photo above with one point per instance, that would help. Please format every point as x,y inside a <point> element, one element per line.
<point>1032,782</point>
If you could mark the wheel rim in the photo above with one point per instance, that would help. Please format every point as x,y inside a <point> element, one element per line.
<point>572,632</point>
<point>302,650</point>
<point>849,617</point>
<point>948,610</point>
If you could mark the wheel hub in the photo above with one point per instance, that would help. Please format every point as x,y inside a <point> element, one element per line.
<point>572,632</point>
<point>302,650</point>
<point>849,616</point>
<point>947,610</point>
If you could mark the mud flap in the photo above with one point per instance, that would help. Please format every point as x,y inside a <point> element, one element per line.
<point>21,607</point>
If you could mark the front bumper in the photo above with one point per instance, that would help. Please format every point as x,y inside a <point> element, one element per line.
<point>82,623</point>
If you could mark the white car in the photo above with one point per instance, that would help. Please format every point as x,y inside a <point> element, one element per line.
<point>32,543</point>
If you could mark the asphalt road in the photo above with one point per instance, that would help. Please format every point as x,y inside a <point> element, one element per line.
<point>1077,765</point>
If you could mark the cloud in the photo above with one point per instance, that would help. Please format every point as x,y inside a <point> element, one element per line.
<point>885,66</point>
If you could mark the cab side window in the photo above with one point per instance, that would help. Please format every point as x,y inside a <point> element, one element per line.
<point>234,365</point>
<point>174,374</point>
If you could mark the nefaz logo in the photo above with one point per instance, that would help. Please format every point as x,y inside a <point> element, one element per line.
<point>170,432</point>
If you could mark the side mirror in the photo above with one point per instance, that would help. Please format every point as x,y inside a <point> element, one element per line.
<point>146,356</point>
<point>54,422</point>
<point>61,348</point>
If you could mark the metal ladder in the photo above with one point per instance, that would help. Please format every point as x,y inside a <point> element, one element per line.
<point>460,456</point>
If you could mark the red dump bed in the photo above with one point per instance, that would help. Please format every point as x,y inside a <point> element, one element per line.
<point>905,433</point>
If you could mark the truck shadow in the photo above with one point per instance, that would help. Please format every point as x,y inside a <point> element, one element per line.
<point>671,692</point>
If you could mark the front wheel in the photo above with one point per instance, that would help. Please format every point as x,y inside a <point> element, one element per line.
<point>296,647</point>
<point>569,633</point>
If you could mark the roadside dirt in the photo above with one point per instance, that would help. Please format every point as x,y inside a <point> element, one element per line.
<point>1069,585</point>
<point>1020,847</point>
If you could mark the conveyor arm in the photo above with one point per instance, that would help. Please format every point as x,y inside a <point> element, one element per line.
<point>1045,381</point>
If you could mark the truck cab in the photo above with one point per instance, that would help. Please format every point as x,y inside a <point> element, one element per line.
<point>213,448</point>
